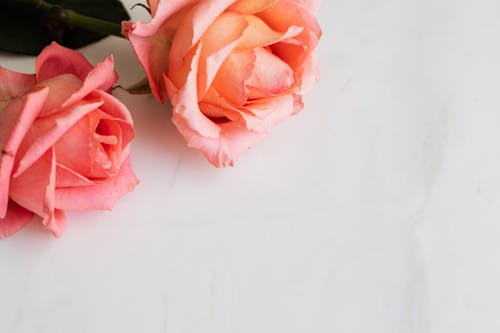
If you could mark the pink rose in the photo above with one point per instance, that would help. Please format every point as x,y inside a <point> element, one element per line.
<point>64,139</point>
<point>232,69</point>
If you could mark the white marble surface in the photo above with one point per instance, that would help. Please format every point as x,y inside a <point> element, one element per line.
<point>377,209</point>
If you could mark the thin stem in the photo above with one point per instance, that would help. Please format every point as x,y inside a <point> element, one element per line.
<point>76,19</point>
<point>93,24</point>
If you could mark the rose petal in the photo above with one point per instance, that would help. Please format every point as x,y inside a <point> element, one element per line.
<point>101,77</point>
<point>151,42</point>
<point>185,102</point>
<point>218,41</point>
<point>232,75</point>
<point>112,106</point>
<point>78,150</point>
<point>259,115</point>
<point>56,60</point>
<point>98,197</point>
<point>270,76</point>
<point>287,13</point>
<point>259,34</point>
<point>34,189</point>
<point>66,177</point>
<point>251,7</point>
<point>48,130</point>
<point>17,217</point>
<point>193,26</point>
<point>61,88</point>
<point>15,121</point>
<point>14,84</point>
<point>270,111</point>
<point>55,222</point>
<point>222,151</point>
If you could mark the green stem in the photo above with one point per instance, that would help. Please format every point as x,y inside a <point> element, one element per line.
<point>93,24</point>
<point>75,19</point>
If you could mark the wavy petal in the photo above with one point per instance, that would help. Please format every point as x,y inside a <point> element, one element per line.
<point>15,121</point>
<point>56,60</point>
<point>224,150</point>
<point>101,77</point>
<point>185,102</point>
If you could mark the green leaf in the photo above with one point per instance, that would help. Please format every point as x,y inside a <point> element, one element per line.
<point>25,29</point>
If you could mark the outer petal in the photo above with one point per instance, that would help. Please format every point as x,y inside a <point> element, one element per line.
<point>17,217</point>
<point>222,151</point>
<point>34,189</point>
<point>98,197</point>
<point>14,84</point>
<point>15,121</point>
<point>152,41</point>
<point>56,60</point>
<point>185,103</point>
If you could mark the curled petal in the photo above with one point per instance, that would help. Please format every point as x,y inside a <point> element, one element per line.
<point>185,102</point>
<point>55,222</point>
<point>152,41</point>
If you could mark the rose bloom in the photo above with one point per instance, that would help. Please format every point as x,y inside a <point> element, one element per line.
<point>64,139</point>
<point>232,69</point>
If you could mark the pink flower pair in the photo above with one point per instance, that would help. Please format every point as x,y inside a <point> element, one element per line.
<point>232,70</point>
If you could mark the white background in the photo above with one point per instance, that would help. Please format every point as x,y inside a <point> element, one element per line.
<point>374,210</point>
